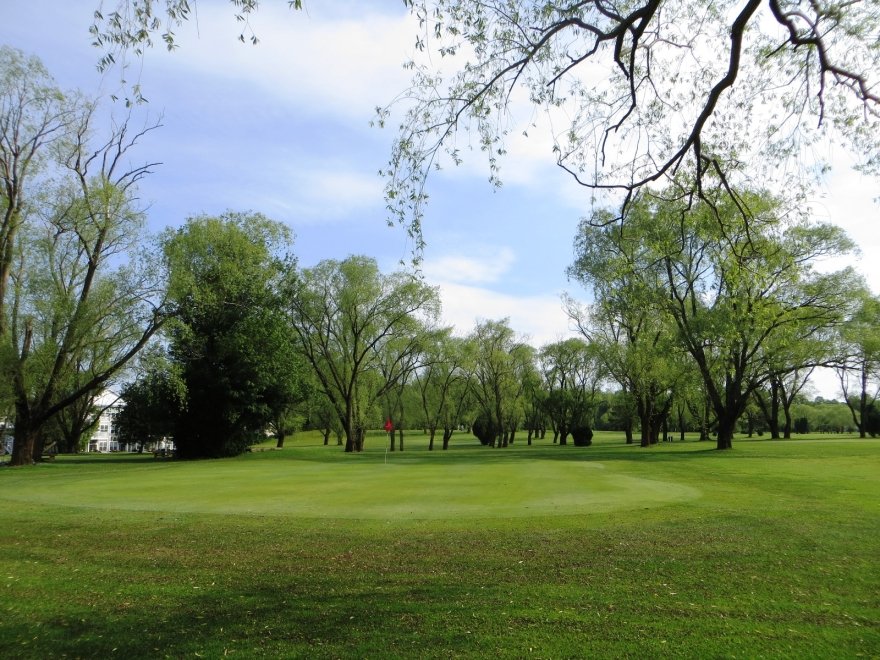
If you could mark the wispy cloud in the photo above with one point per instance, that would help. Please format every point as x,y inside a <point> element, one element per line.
<point>312,60</point>
<point>487,266</point>
<point>540,318</point>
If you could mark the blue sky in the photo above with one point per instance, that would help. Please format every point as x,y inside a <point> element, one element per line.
<point>284,128</point>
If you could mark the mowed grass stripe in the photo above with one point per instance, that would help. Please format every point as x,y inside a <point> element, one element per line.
<point>518,481</point>
<point>778,556</point>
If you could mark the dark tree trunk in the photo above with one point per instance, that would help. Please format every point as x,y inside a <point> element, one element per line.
<point>725,432</point>
<point>23,445</point>
<point>431,432</point>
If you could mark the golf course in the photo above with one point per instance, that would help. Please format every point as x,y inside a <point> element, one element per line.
<point>769,550</point>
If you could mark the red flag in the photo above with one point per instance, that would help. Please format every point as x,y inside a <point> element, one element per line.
<point>389,427</point>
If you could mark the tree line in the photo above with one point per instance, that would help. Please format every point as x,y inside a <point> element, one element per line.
<point>705,308</point>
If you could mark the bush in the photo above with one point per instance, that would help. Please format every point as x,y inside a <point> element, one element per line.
<point>872,420</point>
<point>582,436</point>
<point>485,429</point>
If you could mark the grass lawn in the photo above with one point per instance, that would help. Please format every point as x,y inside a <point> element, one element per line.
<point>769,550</point>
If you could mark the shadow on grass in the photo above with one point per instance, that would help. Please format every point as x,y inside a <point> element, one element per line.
<point>280,619</point>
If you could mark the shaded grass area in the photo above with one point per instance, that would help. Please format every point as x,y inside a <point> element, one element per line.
<point>770,550</point>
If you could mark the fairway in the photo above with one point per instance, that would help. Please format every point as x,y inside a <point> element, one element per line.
<point>769,550</point>
<point>411,485</point>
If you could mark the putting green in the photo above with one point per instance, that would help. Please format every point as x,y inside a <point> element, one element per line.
<point>353,489</point>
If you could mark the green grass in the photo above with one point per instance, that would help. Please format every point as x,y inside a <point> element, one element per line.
<point>769,550</point>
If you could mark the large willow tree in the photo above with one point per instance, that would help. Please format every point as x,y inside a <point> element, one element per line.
<point>737,290</point>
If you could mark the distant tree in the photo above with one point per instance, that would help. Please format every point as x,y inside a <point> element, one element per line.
<point>400,359</point>
<point>151,405</point>
<point>442,384</point>
<point>858,368</point>
<point>635,340</point>
<point>498,361</point>
<point>572,376</point>
<point>872,420</point>
<point>230,338</point>
<point>358,330</point>
<point>321,415</point>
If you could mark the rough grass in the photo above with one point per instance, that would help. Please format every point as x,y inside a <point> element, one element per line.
<point>769,550</point>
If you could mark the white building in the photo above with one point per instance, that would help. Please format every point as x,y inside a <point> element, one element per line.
<point>104,437</point>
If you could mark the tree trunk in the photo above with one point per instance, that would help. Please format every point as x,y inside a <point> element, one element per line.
<point>447,435</point>
<point>23,445</point>
<point>431,432</point>
<point>863,403</point>
<point>725,432</point>
<point>400,437</point>
<point>786,428</point>
<point>643,410</point>
<point>326,434</point>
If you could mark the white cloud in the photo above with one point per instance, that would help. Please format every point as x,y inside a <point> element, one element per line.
<point>485,268</point>
<point>332,192</point>
<point>343,67</point>
<point>539,318</point>
<point>850,202</point>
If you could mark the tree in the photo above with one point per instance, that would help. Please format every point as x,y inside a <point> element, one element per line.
<point>399,360</point>
<point>734,287</point>
<point>229,337</point>
<point>82,296</point>
<point>858,368</point>
<point>152,405</point>
<point>34,116</point>
<point>572,380</point>
<point>639,93</point>
<point>634,339</point>
<point>650,89</point>
<point>358,328</point>
<point>498,360</point>
<point>442,385</point>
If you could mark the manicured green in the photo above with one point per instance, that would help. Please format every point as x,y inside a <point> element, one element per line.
<point>771,549</point>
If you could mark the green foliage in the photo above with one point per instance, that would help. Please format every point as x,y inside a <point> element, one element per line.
<point>485,429</point>
<point>360,331</point>
<point>637,94</point>
<point>78,294</point>
<point>152,405</point>
<point>230,339</point>
<point>872,420</point>
<point>737,294</point>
